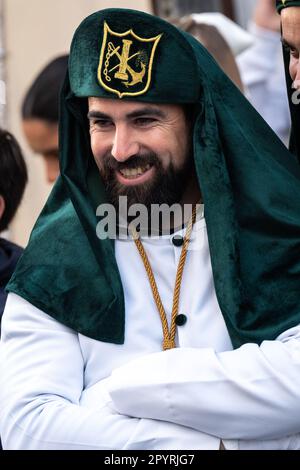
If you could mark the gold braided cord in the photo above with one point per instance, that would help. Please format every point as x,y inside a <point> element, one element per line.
<point>154,288</point>
<point>179,274</point>
<point>168,336</point>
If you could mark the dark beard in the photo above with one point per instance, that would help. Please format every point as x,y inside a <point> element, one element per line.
<point>166,187</point>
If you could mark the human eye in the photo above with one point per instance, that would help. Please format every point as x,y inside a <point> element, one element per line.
<point>101,123</point>
<point>145,121</point>
<point>293,51</point>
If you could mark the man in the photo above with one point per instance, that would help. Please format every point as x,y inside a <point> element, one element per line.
<point>175,341</point>
<point>209,29</point>
<point>13,179</point>
<point>40,114</point>
<point>262,71</point>
<point>290,24</point>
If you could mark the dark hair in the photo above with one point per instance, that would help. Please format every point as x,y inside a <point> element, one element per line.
<point>42,99</point>
<point>13,176</point>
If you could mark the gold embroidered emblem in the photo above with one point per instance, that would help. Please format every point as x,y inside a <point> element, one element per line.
<point>126,61</point>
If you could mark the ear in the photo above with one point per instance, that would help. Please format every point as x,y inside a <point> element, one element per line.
<point>2,206</point>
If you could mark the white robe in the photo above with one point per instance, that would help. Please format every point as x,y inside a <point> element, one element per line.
<point>262,72</point>
<point>62,390</point>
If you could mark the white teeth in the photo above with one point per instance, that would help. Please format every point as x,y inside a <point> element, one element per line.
<point>134,172</point>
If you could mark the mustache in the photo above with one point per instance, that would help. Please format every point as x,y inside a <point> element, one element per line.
<point>109,163</point>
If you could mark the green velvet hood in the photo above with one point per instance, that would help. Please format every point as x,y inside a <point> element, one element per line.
<point>250,185</point>
<point>280,4</point>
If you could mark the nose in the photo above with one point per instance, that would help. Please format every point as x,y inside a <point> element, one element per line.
<point>124,144</point>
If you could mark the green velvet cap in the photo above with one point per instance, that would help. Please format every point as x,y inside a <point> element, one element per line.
<point>249,181</point>
<point>133,57</point>
<point>280,4</point>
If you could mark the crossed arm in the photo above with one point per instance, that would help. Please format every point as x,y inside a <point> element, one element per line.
<point>252,393</point>
<point>177,399</point>
<point>44,403</point>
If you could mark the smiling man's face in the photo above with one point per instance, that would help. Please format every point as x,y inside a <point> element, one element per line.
<point>142,150</point>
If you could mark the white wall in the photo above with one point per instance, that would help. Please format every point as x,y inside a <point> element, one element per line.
<point>35,32</point>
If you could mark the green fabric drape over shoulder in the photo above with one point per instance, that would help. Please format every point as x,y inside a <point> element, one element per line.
<point>249,181</point>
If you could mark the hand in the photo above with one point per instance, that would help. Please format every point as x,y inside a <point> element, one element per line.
<point>266,16</point>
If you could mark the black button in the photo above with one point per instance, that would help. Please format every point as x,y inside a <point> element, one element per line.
<point>181,320</point>
<point>177,240</point>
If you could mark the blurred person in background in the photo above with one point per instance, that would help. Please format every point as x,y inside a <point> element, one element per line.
<point>13,179</point>
<point>248,58</point>
<point>261,68</point>
<point>40,111</point>
<point>212,38</point>
<point>290,26</point>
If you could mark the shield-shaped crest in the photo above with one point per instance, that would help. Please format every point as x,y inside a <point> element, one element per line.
<point>126,62</point>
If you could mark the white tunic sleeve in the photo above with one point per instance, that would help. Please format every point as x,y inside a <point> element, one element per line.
<point>262,71</point>
<point>44,404</point>
<point>252,393</point>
